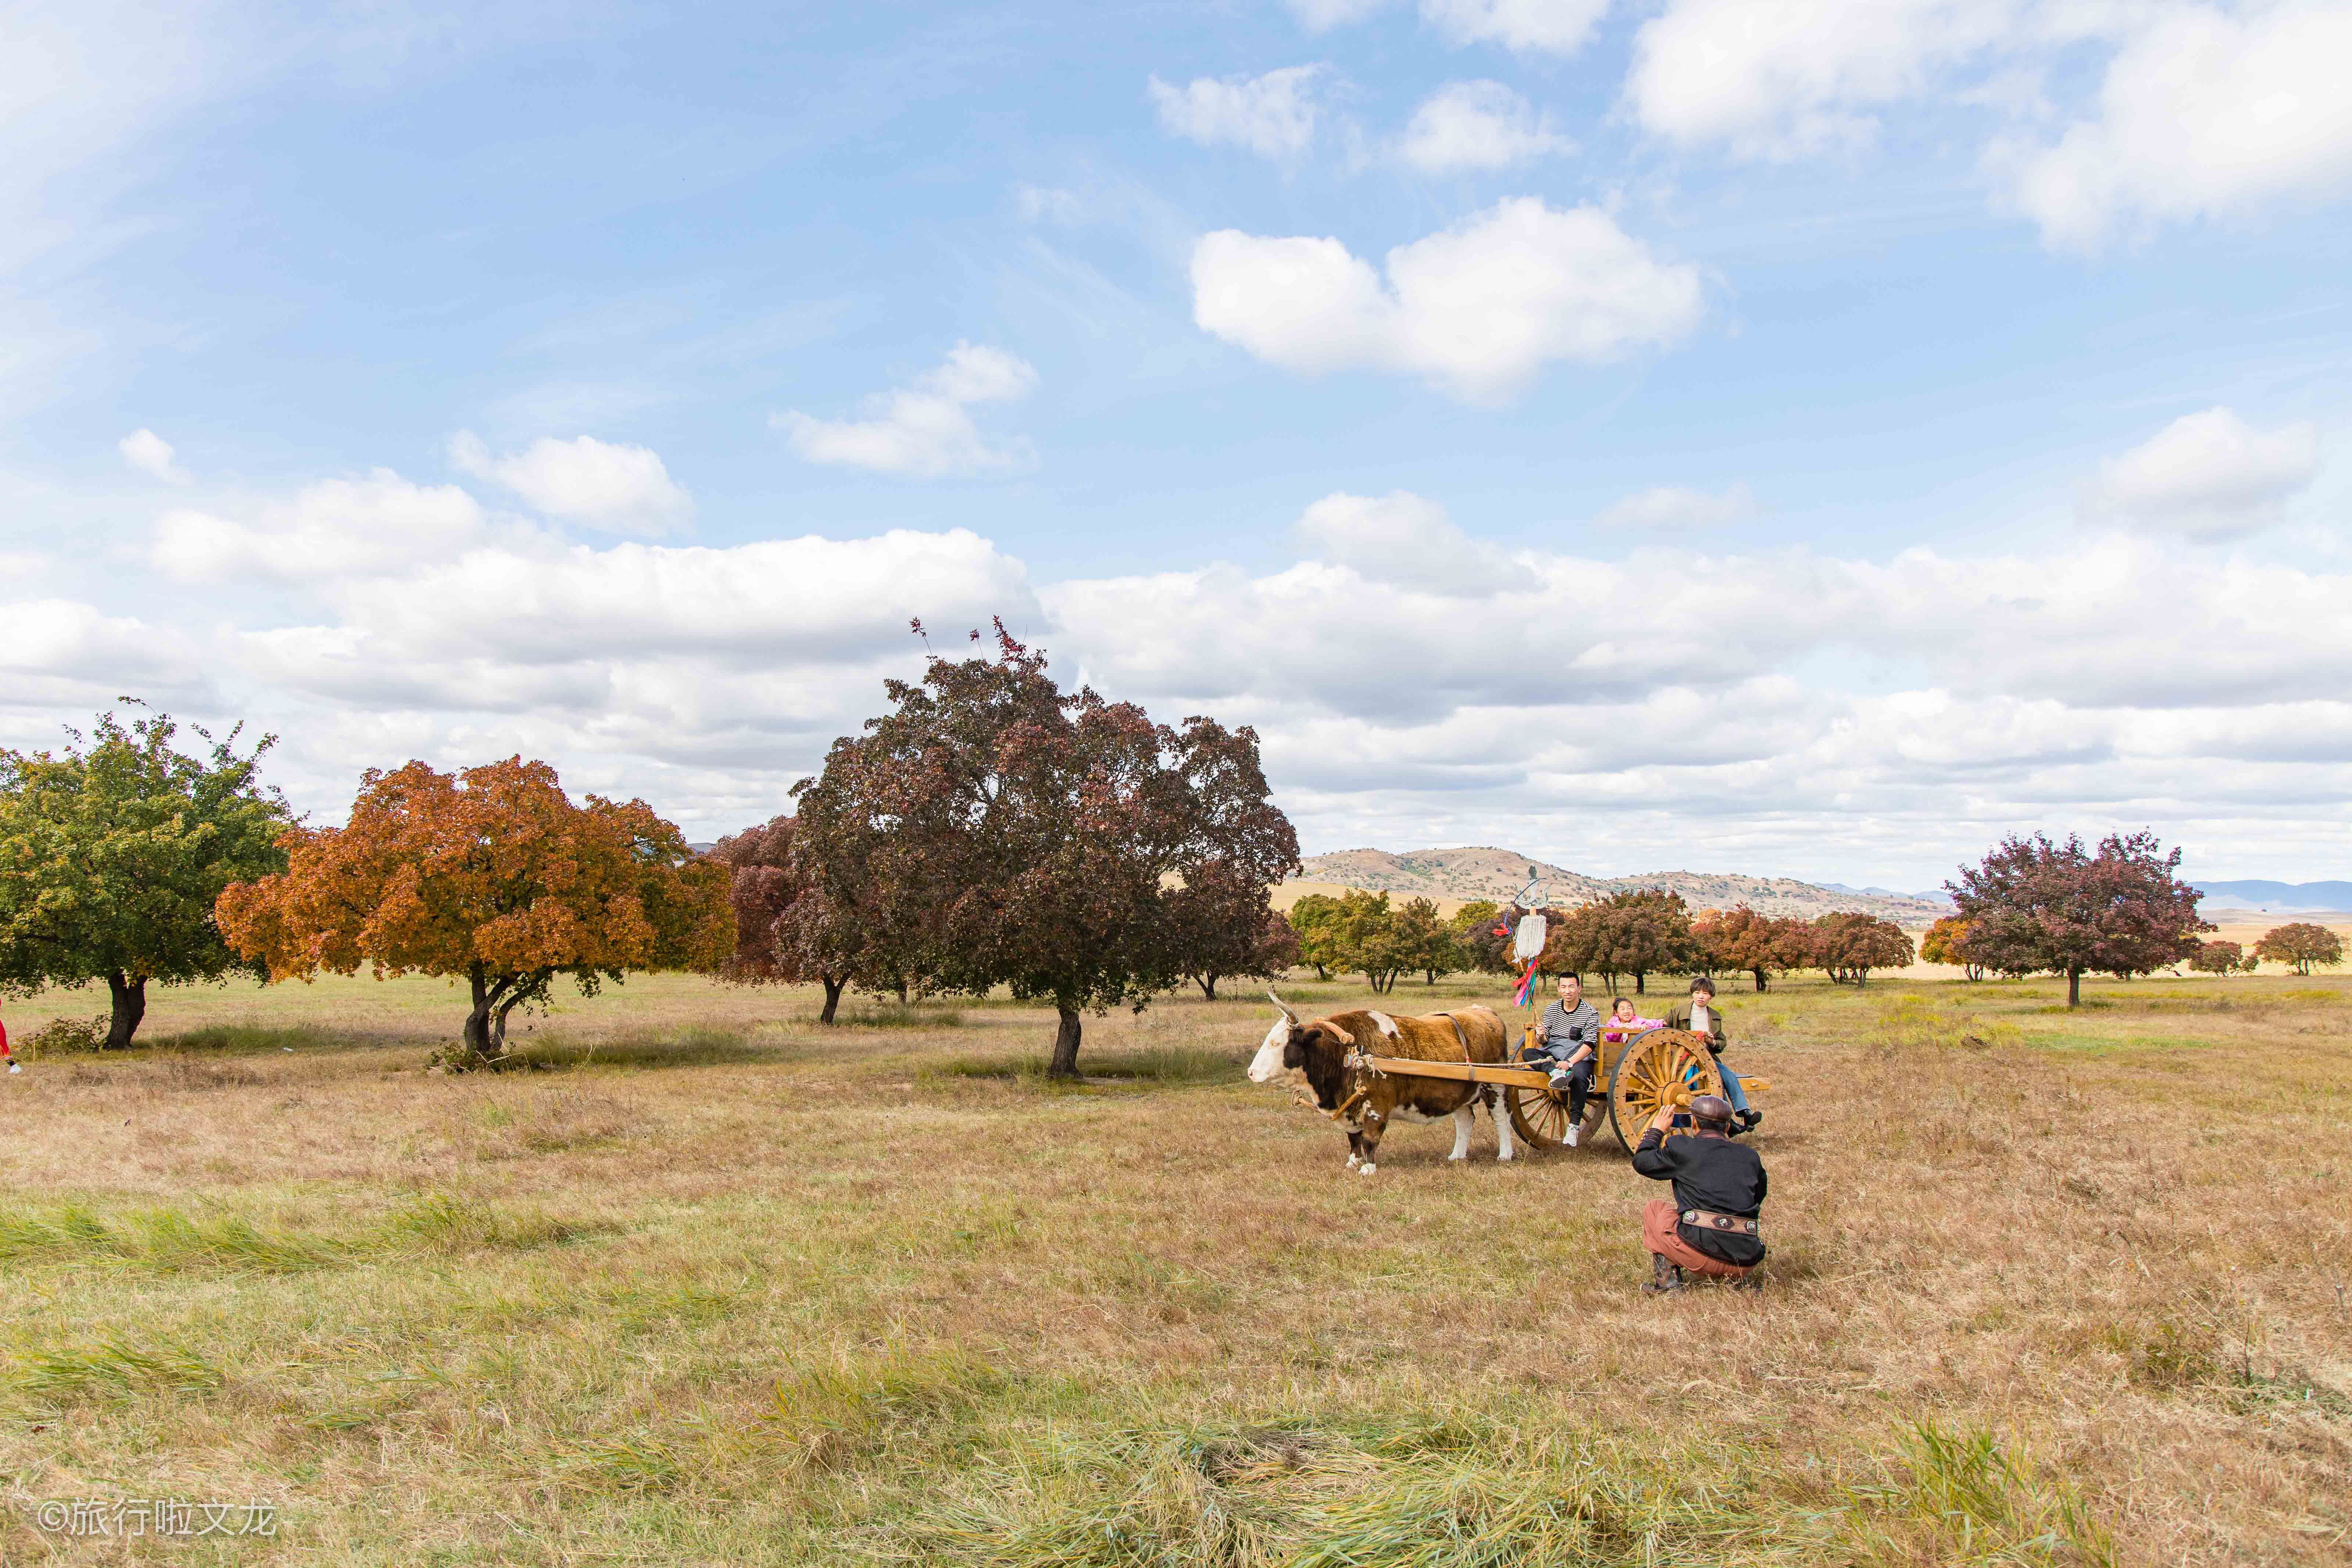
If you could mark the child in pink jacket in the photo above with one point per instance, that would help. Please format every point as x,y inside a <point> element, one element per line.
<point>1621,1025</point>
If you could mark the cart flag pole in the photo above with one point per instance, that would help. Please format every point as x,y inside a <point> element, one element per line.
<point>1527,946</point>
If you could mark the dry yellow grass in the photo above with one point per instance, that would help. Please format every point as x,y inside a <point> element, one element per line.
<point>720,1286</point>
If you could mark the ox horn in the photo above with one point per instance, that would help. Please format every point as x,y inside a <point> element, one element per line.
<point>1279,1003</point>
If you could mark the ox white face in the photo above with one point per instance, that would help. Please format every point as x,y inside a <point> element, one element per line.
<point>1266,1066</point>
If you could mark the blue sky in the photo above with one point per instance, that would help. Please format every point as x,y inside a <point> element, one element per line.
<point>1793,437</point>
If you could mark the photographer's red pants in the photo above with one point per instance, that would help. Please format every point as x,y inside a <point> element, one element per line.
<point>1662,1234</point>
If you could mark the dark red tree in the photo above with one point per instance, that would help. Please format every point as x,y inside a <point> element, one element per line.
<point>1224,928</point>
<point>1016,835</point>
<point>791,927</point>
<point>2035,907</point>
<point>1850,944</point>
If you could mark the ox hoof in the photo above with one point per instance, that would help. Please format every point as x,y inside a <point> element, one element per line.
<point>1354,1161</point>
<point>1455,1159</point>
<point>1368,1169</point>
<point>1504,1158</point>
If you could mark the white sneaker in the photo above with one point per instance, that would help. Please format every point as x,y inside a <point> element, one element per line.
<point>1571,1134</point>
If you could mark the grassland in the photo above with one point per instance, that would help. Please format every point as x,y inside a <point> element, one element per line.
<point>717,1285</point>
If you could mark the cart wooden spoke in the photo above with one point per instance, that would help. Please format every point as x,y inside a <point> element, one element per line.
<point>1657,1067</point>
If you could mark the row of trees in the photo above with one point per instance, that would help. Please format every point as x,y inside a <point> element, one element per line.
<point>991,830</point>
<point>127,861</point>
<point>1629,935</point>
<point>1358,932</point>
<point>2300,945</point>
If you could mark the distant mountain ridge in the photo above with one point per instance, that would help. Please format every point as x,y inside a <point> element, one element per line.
<point>1485,872</point>
<point>2285,897</point>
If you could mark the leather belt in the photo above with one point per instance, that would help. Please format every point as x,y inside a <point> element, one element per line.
<point>1707,1219</point>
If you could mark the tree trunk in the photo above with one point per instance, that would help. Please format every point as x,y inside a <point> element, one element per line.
<point>902,991</point>
<point>1066,1046</point>
<point>1322,973</point>
<point>833,990</point>
<point>2074,988</point>
<point>1638,987</point>
<point>1861,978</point>
<point>478,1018</point>
<point>1763,981</point>
<point>130,996</point>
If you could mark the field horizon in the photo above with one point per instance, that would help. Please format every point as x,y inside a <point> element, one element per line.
<point>715,1284</point>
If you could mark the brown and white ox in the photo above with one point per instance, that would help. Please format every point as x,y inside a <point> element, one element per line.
<point>1325,1056</point>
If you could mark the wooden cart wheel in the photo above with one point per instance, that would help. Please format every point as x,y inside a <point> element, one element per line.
<point>1654,1065</point>
<point>1540,1117</point>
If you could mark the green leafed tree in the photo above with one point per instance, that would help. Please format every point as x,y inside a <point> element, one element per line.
<point>1368,939</point>
<point>1315,919</point>
<point>1424,942</point>
<point>113,852</point>
<point>2302,946</point>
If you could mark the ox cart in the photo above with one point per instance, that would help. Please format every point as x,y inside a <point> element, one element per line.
<point>1632,1079</point>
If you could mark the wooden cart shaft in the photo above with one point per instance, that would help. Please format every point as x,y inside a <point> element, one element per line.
<point>1495,1072</point>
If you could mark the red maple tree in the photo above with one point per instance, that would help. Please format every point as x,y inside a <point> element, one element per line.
<point>1014,834</point>
<point>2035,907</point>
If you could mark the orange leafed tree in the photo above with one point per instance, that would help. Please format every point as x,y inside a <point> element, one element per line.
<point>491,875</point>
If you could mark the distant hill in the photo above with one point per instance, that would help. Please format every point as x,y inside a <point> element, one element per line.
<point>2284,898</point>
<point>1497,874</point>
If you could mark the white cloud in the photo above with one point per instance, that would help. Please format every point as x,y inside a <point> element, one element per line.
<point>1671,508</point>
<point>59,653</point>
<point>1478,309</point>
<point>924,429</point>
<point>602,484</point>
<point>810,599</point>
<point>150,454</point>
<point>2207,476</point>
<point>1779,77</point>
<point>1272,115</point>
<point>336,528</point>
<point>1412,683</point>
<point>2201,112</point>
<point>2202,115</point>
<point>1554,26</point>
<point>1399,537</point>
<point>1477,125</point>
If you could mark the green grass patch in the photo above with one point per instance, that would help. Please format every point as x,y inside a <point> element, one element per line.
<point>168,1241</point>
<point>1432,1491</point>
<point>111,1368</point>
<point>1959,1496</point>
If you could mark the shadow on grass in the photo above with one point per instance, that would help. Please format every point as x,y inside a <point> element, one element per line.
<point>700,1045</point>
<point>890,1016</point>
<point>239,1039</point>
<point>1155,1066</point>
